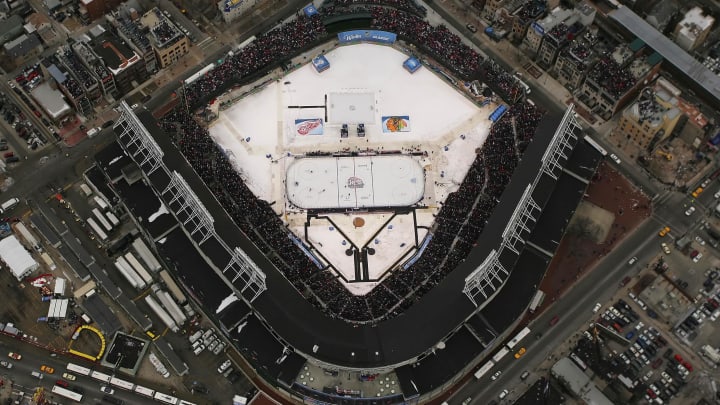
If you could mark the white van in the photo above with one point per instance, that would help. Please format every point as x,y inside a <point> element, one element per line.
<point>9,204</point>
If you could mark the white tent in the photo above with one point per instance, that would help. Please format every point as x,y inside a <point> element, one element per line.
<point>16,257</point>
<point>59,287</point>
<point>58,309</point>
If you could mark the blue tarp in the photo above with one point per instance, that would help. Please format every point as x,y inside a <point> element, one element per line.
<point>320,63</point>
<point>498,113</point>
<point>412,64</point>
<point>310,10</point>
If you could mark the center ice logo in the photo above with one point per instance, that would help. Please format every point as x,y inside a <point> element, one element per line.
<point>355,182</point>
<point>309,126</point>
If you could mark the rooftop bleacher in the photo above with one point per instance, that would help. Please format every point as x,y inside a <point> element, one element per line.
<point>612,77</point>
<point>76,68</point>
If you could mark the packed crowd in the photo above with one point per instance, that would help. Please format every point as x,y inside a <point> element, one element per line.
<point>459,222</point>
<point>613,77</point>
<point>405,5</point>
<point>272,47</point>
<point>437,41</point>
<point>500,81</point>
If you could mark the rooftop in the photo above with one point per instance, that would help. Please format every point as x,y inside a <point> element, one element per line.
<point>51,100</point>
<point>673,54</point>
<point>654,106</point>
<point>695,23</point>
<point>116,54</point>
<point>162,30</point>
<point>612,77</point>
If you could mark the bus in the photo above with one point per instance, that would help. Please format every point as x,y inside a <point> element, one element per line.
<point>66,393</point>
<point>165,398</point>
<point>102,377</point>
<point>139,389</point>
<point>78,369</point>
<point>173,287</point>
<point>500,354</point>
<point>126,385</point>
<point>577,360</point>
<point>102,220</point>
<point>484,369</point>
<point>518,338</point>
<point>595,145</point>
<point>536,301</point>
<point>96,229</point>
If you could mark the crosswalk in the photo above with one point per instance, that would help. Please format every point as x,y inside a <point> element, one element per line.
<point>206,43</point>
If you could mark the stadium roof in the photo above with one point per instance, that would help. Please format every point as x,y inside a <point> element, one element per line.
<point>702,76</point>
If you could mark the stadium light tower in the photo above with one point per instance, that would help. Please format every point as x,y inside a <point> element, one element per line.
<point>188,208</point>
<point>249,274</point>
<point>137,142</point>
<point>518,223</point>
<point>486,279</point>
<point>560,143</point>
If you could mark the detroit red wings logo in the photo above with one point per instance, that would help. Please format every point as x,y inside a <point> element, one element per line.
<point>355,182</point>
<point>306,127</point>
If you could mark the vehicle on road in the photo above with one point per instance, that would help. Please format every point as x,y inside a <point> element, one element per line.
<point>554,320</point>
<point>15,356</point>
<point>62,383</point>
<point>632,260</point>
<point>107,390</point>
<point>68,376</point>
<point>690,211</point>
<point>697,257</point>
<point>503,394</point>
<point>47,369</point>
<point>224,366</point>
<point>697,192</point>
<point>664,231</point>
<point>5,364</point>
<point>471,28</point>
<point>615,158</point>
<point>520,353</point>
<point>496,375</point>
<point>37,375</point>
<point>524,375</point>
<point>665,248</point>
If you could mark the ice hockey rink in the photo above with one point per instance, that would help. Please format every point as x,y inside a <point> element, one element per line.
<point>420,115</point>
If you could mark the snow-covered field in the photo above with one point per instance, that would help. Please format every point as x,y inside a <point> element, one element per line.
<point>265,132</point>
